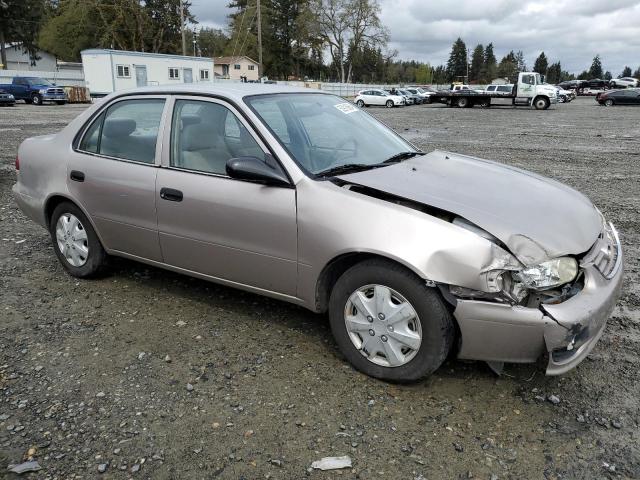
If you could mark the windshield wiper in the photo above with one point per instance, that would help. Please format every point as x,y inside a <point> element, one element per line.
<point>398,157</point>
<point>346,168</point>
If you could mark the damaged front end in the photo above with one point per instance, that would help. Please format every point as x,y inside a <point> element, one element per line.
<point>559,306</point>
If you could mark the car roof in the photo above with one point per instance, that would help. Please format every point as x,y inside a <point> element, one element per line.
<point>234,91</point>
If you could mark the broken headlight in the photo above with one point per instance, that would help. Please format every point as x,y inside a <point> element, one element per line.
<point>548,274</point>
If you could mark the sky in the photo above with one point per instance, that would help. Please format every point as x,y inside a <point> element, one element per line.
<point>572,31</point>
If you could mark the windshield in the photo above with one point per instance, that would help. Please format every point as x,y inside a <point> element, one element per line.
<point>38,81</point>
<point>322,132</point>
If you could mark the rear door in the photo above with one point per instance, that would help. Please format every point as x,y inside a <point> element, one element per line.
<point>238,231</point>
<point>112,174</point>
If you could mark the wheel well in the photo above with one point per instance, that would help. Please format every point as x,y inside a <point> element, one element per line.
<point>51,205</point>
<point>335,268</point>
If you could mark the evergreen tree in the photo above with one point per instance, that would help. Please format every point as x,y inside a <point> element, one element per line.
<point>19,23</point>
<point>508,66</point>
<point>554,73</point>
<point>541,65</point>
<point>626,72</point>
<point>596,68</point>
<point>522,66</point>
<point>490,65</point>
<point>477,63</point>
<point>636,74</point>
<point>457,64</point>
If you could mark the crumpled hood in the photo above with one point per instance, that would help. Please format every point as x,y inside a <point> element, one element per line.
<point>535,217</point>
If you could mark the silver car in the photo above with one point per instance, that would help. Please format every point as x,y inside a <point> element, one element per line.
<point>301,196</point>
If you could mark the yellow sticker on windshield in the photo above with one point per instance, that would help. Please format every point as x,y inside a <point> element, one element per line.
<point>346,107</point>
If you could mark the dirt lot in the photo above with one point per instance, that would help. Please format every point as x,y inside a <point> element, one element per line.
<point>151,374</point>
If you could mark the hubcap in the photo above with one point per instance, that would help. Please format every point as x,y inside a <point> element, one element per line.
<point>72,240</point>
<point>383,325</point>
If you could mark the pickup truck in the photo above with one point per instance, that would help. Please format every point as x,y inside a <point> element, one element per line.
<point>35,90</point>
<point>530,91</point>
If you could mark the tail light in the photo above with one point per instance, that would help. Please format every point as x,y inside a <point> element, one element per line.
<point>17,163</point>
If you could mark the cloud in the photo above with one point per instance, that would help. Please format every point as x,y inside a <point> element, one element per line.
<point>570,31</point>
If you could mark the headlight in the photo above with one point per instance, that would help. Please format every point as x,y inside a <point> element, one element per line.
<point>43,91</point>
<point>549,274</point>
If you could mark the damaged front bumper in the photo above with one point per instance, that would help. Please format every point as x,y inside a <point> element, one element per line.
<point>568,331</point>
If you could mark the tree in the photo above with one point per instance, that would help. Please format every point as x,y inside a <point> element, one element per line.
<point>457,65</point>
<point>19,23</point>
<point>477,62</point>
<point>541,64</point>
<point>596,68</point>
<point>636,74</point>
<point>508,66</point>
<point>490,67</point>
<point>607,75</point>
<point>626,72</point>
<point>70,29</point>
<point>584,75</point>
<point>522,66</point>
<point>554,73</point>
<point>211,42</point>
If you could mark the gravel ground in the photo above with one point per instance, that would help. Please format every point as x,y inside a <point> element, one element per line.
<point>150,374</point>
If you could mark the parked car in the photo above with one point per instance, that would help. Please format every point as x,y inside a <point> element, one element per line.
<point>35,90</point>
<point>367,98</point>
<point>296,194</point>
<point>6,99</point>
<point>506,89</point>
<point>411,98</point>
<point>570,84</point>
<point>628,96</point>
<point>419,97</point>
<point>565,95</point>
<point>594,83</point>
<point>623,82</point>
<point>424,92</point>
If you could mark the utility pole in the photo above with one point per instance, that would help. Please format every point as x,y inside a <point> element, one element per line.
<point>259,39</point>
<point>184,41</point>
<point>195,40</point>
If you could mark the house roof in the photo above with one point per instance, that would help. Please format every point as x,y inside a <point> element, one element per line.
<point>105,51</point>
<point>230,60</point>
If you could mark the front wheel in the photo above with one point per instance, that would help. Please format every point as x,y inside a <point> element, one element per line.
<point>36,99</point>
<point>608,103</point>
<point>462,102</point>
<point>388,323</point>
<point>541,103</point>
<point>360,103</point>
<point>75,242</point>
<point>389,103</point>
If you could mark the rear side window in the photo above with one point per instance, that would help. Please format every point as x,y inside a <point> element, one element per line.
<point>127,130</point>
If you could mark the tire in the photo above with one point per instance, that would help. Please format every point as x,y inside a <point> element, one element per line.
<point>485,103</point>
<point>61,102</point>
<point>88,264</point>
<point>36,99</point>
<point>541,103</point>
<point>428,100</point>
<point>462,102</point>
<point>360,103</point>
<point>429,320</point>
<point>389,104</point>
<point>609,102</point>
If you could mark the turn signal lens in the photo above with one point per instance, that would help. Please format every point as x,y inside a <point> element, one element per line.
<point>17,163</point>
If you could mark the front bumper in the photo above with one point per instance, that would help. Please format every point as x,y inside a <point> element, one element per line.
<point>567,331</point>
<point>54,98</point>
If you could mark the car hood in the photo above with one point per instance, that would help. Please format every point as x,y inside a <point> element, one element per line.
<point>535,217</point>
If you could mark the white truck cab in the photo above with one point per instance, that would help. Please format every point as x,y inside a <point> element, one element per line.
<point>533,91</point>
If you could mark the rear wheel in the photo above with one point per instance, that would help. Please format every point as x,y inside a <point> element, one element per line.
<point>360,103</point>
<point>75,242</point>
<point>485,102</point>
<point>541,103</point>
<point>388,323</point>
<point>36,99</point>
<point>389,103</point>
<point>609,103</point>
<point>463,102</point>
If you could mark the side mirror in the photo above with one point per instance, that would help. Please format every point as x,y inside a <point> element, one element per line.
<point>255,170</point>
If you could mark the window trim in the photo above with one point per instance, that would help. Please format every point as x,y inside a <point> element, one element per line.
<point>168,136</point>
<point>94,117</point>
<point>124,66</point>
<point>177,69</point>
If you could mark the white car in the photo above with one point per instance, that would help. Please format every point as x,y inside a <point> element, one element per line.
<point>366,98</point>
<point>626,82</point>
<point>565,95</point>
<point>503,89</point>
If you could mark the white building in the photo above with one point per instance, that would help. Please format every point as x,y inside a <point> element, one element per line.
<point>18,59</point>
<point>106,71</point>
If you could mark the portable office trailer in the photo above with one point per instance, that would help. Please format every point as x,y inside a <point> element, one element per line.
<point>107,71</point>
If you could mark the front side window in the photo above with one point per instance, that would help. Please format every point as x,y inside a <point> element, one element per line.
<point>174,73</point>
<point>323,131</point>
<point>205,135</point>
<point>123,71</point>
<point>126,130</point>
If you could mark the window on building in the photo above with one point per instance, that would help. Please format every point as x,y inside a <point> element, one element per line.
<point>174,73</point>
<point>204,74</point>
<point>236,66</point>
<point>123,71</point>
<point>252,67</point>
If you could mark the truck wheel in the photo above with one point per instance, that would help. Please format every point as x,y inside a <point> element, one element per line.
<point>389,103</point>
<point>541,103</point>
<point>462,102</point>
<point>388,323</point>
<point>485,103</point>
<point>36,99</point>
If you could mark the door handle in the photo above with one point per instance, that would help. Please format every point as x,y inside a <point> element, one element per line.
<point>76,176</point>
<point>171,194</point>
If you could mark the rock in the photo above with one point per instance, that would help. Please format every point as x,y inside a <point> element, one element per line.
<point>616,424</point>
<point>102,467</point>
<point>371,403</point>
<point>580,418</point>
<point>332,463</point>
<point>277,463</point>
<point>554,399</point>
<point>135,468</point>
<point>167,359</point>
<point>189,387</point>
<point>141,355</point>
<point>180,323</point>
<point>458,447</point>
<point>100,394</point>
<point>31,466</point>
